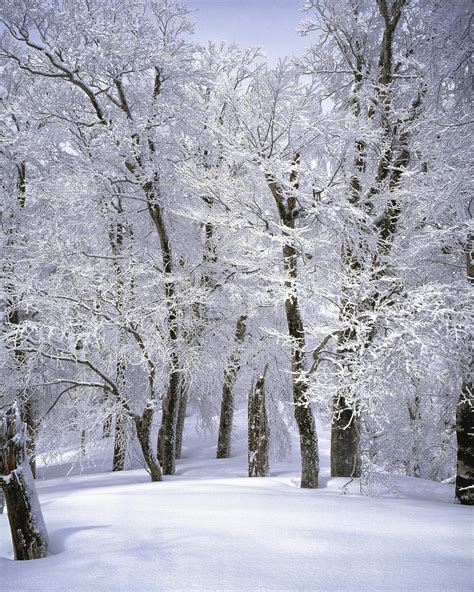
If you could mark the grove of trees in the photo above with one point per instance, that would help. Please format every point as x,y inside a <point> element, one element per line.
<point>183,226</point>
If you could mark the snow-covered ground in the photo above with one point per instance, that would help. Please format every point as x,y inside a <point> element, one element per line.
<point>211,528</point>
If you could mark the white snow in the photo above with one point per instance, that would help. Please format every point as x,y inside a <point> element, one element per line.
<point>211,528</point>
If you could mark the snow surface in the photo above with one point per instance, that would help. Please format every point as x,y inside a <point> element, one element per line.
<point>210,527</point>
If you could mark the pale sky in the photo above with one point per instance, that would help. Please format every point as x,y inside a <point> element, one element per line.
<point>269,23</point>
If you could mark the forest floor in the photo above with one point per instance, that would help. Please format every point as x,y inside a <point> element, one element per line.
<point>210,527</point>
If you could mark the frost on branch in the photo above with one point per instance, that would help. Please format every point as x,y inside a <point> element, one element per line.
<point>30,540</point>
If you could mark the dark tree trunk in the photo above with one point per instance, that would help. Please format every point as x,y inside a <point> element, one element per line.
<point>227,413</point>
<point>413,466</point>
<point>118,461</point>
<point>30,540</point>
<point>27,413</point>
<point>117,232</point>
<point>345,457</point>
<point>345,454</point>
<point>258,431</point>
<point>465,446</point>
<point>465,414</point>
<point>143,427</point>
<point>169,422</point>
<point>166,446</point>
<point>82,444</point>
<point>227,403</point>
<point>303,413</point>
<point>183,405</point>
<point>308,447</point>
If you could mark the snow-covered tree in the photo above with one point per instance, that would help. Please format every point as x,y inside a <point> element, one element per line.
<point>392,72</point>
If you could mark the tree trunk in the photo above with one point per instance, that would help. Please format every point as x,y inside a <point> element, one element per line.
<point>303,414</point>
<point>227,413</point>
<point>308,445</point>
<point>345,457</point>
<point>183,405</point>
<point>166,446</point>
<point>118,461</point>
<point>465,414</point>
<point>465,446</point>
<point>169,422</point>
<point>30,540</point>
<point>82,441</point>
<point>413,464</point>
<point>27,413</point>
<point>143,427</point>
<point>227,403</point>
<point>258,431</point>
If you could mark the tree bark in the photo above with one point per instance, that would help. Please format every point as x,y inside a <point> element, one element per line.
<point>143,427</point>
<point>345,453</point>
<point>465,414</point>
<point>82,442</point>
<point>303,413</point>
<point>27,413</point>
<point>166,445</point>
<point>258,431</point>
<point>118,461</point>
<point>345,457</point>
<point>29,536</point>
<point>169,421</point>
<point>465,446</point>
<point>227,403</point>
<point>183,405</point>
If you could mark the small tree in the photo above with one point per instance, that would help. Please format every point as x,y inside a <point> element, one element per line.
<point>30,540</point>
